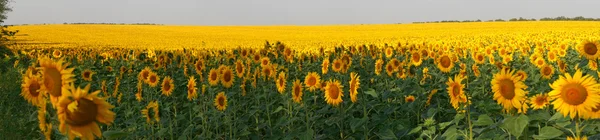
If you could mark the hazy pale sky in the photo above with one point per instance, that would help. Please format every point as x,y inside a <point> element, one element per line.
<point>300,12</point>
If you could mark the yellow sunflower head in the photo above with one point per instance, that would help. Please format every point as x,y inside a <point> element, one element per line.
<point>167,86</point>
<point>589,49</point>
<point>221,101</point>
<point>333,93</point>
<point>354,85</point>
<point>389,52</point>
<point>509,90</point>
<point>312,81</point>
<point>199,66</point>
<point>281,82</point>
<point>539,101</point>
<point>378,66</point>
<point>87,75</point>
<point>78,111</point>
<point>547,71</point>
<point>227,77</point>
<point>325,66</point>
<point>297,91</point>
<point>56,76</point>
<point>577,138</point>
<point>192,91</point>
<point>213,77</point>
<point>575,95</point>
<point>152,79</point>
<point>389,69</point>
<point>30,90</point>
<point>265,61</point>
<point>337,65</point>
<point>239,68</point>
<point>144,73</point>
<point>456,91</point>
<point>151,111</point>
<point>409,99</point>
<point>415,58</point>
<point>444,63</point>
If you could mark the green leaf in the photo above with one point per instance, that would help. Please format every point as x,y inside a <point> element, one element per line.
<point>458,117</point>
<point>483,120</point>
<point>114,134</point>
<point>415,130</point>
<point>451,133</point>
<point>277,110</point>
<point>372,93</point>
<point>557,117</point>
<point>444,124</point>
<point>308,135</point>
<point>387,134</point>
<point>548,133</point>
<point>516,124</point>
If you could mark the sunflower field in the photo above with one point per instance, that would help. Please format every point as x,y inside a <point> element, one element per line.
<point>484,81</point>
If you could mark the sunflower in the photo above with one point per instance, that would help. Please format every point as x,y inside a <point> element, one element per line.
<point>456,91</point>
<point>227,77</point>
<point>312,81</point>
<point>475,70</point>
<point>589,49</point>
<point>57,54</point>
<point>280,82</point>
<point>213,77</point>
<point>337,65</point>
<point>265,62</point>
<point>152,106</point>
<point>389,69</point>
<point>239,68</point>
<point>87,75</point>
<point>144,73</point>
<point>333,92</point>
<point>297,91</point>
<point>268,72</point>
<point>30,90</point>
<point>325,66</point>
<point>78,111</point>
<point>199,66</point>
<point>479,58</point>
<point>508,90</point>
<point>409,99</point>
<point>593,65</point>
<point>577,138</point>
<point>152,79</point>
<point>539,62</point>
<point>521,75</point>
<point>56,76</point>
<point>575,95</point>
<point>378,66</point>
<point>256,57</point>
<point>444,63</point>
<point>192,91</point>
<point>552,56</point>
<point>167,86</point>
<point>415,58</point>
<point>354,85</point>
<point>221,101</point>
<point>539,101</point>
<point>546,71</point>
<point>389,52</point>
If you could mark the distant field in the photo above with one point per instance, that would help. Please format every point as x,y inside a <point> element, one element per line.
<point>311,37</point>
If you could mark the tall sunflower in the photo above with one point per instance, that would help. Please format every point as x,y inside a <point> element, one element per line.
<point>444,63</point>
<point>192,90</point>
<point>456,91</point>
<point>167,86</point>
<point>297,91</point>
<point>575,95</point>
<point>87,75</point>
<point>227,77</point>
<point>152,79</point>
<point>589,49</point>
<point>281,82</point>
<point>78,111</point>
<point>213,77</point>
<point>221,101</point>
<point>539,101</point>
<point>30,89</point>
<point>509,90</point>
<point>56,76</point>
<point>354,85</point>
<point>333,92</point>
<point>547,71</point>
<point>312,81</point>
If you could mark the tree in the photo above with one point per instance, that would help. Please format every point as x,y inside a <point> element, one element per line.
<point>4,36</point>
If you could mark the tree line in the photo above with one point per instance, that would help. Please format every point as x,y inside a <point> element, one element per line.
<point>560,18</point>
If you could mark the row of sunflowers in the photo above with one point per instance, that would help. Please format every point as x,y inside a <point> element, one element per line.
<point>410,90</point>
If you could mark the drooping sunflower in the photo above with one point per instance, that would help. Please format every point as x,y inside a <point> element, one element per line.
<point>575,95</point>
<point>409,99</point>
<point>167,86</point>
<point>415,58</point>
<point>240,70</point>
<point>337,65</point>
<point>152,106</point>
<point>227,77</point>
<point>475,70</point>
<point>281,82</point>
<point>547,71</point>
<point>221,101</point>
<point>456,91</point>
<point>354,85</point>
<point>539,101</point>
<point>213,77</point>
<point>192,90</point>
<point>87,75</point>
<point>589,49</point>
<point>199,66</point>
<point>56,76</point>
<point>444,63</point>
<point>325,66</point>
<point>297,91</point>
<point>30,89</point>
<point>333,93</point>
<point>509,90</point>
<point>312,81</point>
<point>521,75</point>
<point>78,111</point>
<point>153,79</point>
<point>378,66</point>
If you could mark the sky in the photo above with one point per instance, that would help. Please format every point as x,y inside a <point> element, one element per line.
<point>288,12</point>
